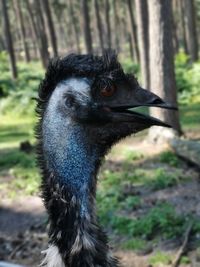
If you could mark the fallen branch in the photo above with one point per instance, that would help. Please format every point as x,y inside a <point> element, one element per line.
<point>187,149</point>
<point>20,246</point>
<point>183,247</point>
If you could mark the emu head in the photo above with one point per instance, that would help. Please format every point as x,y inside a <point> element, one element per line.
<point>94,93</point>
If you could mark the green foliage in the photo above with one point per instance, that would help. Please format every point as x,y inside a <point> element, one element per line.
<point>161,220</point>
<point>190,116</point>
<point>131,155</point>
<point>17,164</point>
<point>23,168</point>
<point>169,157</point>
<point>160,258</point>
<point>131,202</point>
<point>14,129</point>
<point>130,67</point>
<point>19,93</point>
<point>185,260</point>
<point>163,179</point>
<point>187,79</point>
<point>134,244</point>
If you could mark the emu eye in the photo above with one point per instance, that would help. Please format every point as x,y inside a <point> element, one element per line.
<point>108,90</point>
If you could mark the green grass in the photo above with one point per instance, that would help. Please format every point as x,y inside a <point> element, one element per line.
<point>160,258</point>
<point>189,115</point>
<point>130,155</point>
<point>134,244</point>
<point>13,162</point>
<point>170,158</point>
<point>163,179</point>
<point>15,129</point>
<point>160,221</point>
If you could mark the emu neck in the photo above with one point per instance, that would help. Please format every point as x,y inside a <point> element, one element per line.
<point>73,161</point>
<point>69,187</point>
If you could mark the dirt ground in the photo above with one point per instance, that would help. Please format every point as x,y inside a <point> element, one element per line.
<point>23,233</point>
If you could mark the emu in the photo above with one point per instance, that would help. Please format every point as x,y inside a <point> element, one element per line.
<point>84,107</point>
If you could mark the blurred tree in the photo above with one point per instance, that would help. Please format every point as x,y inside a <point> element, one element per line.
<point>183,28</point>
<point>143,39</point>
<point>99,23</point>
<point>53,38</point>
<point>175,18</point>
<point>74,22</point>
<point>162,76</point>
<point>40,30</point>
<point>107,19</point>
<point>133,31</point>
<point>116,25</point>
<point>18,8</point>
<point>191,33</point>
<point>86,26</point>
<point>36,38</point>
<point>44,55</point>
<point>8,38</point>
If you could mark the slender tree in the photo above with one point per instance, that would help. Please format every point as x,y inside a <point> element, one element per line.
<point>86,26</point>
<point>53,38</point>
<point>18,9</point>
<point>116,25</point>
<point>183,28</point>
<point>143,39</point>
<point>162,77</point>
<point>191,32</point>
<point>133,30</point>
<point>107,19</point>
<point>175,27</point>
<point>8,38</point>
<point>75,25</point>
<point>40,31</point>
<point>99,23</point>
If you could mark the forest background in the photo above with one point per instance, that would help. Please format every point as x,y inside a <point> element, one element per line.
<point>149,190</point>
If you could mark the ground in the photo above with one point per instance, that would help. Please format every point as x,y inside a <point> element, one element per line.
<point>146,198</point>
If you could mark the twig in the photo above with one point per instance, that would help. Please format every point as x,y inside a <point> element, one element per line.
<point>182,249</point>
<point>20,246</point>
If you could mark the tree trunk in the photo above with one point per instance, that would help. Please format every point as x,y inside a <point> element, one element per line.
<point>183,28</point>
<point>116,25</point>
<point>50,24</point>
<point>8,39</point>
<point>40,29</point>
<point>99,24</point>
<point>33,26</point>
<point>22,30</point>
<point>143,39</point>
<point>130,45</point>
<point>175,18</point>
<point>42,47</point>
<point>86,26</point>
<point>191,34</point>
<point>107,18</point>
<point>162,77</point>
<point>133,30</point>
<point>75,26</point>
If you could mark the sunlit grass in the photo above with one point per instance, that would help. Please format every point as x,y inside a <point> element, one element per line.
<point>189,115</point>
<point>15,129</point>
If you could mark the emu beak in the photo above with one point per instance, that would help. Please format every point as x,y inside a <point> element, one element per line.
<point>140,98</point>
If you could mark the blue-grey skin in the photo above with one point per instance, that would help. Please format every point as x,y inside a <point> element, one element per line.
<point>68,154</point>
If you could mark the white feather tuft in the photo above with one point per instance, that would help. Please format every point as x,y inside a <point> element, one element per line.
<point>52,258</point>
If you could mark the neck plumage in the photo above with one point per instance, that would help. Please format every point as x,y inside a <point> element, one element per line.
<point>69,186</point>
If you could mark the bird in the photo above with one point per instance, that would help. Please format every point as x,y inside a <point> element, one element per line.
<point>85,105</point>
